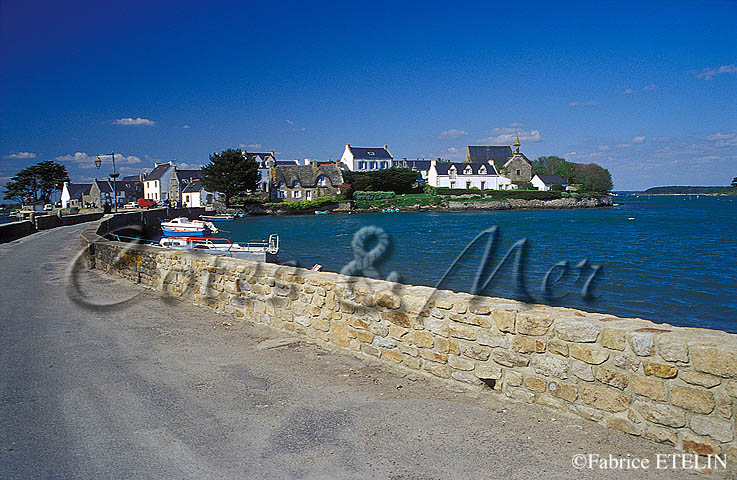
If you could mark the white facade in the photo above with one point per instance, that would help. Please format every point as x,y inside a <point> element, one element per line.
<point>466,175</point>
<point>197,199</point>
<point>363,159</point>
<point>156,184</point>
<point>546,184</point>
<point>65,196</point>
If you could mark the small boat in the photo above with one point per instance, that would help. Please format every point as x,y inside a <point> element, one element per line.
<point>184,227</point>
<point>321,212</point>
<point>266,251</point>
<point>390,210</point>
<point>221,217</point>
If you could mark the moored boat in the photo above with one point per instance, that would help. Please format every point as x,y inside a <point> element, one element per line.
<point>184,227</point>
<point>266,251</point>
<point>221,217</point>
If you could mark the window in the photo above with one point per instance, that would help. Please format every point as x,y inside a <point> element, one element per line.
<point>370,153</point>
<point>468,184</point>
<point>322,181</point>
<point>298,194</point>
<point>361,165</point>
<point>518,172</point>
<point>384,165</point>
<point>482,170</point>
<point>308,194</point>
<point>281,194</point>
<point>373,166</point>
<point>483,184</point>
<point>468,171</point>
<point>452,184</point>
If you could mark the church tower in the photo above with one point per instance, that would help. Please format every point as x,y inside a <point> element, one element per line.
<point>516,145</point>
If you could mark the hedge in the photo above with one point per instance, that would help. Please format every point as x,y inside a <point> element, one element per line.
<point>303,205</point>
<point>370,196</point>
<point>500,194</point>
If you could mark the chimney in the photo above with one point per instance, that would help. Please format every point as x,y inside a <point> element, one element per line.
<point>386,147</point>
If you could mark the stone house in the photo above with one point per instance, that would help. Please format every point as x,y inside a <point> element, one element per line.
<point>180,178</point>
<point>467,175</point>
<point>508,160</point>
<point>422,166</point>
<point>194,195</point>
<point>102,192</point>
<point>362,159</point>
<point>305,182</point>
<point>72,194</point>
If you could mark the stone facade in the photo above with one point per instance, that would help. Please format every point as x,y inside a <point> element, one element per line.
<point>672,385</point>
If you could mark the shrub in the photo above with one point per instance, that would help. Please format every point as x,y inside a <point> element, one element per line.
<point>302,205</point>
<point>370,196</point>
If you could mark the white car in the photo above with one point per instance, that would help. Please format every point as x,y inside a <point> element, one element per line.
<point>131,205</point>
<point>48,207</point>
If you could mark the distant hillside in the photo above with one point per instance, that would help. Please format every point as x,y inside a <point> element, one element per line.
<point>677,190</point>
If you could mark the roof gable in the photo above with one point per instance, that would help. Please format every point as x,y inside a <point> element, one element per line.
<point>552,179</point>
<point>307,175</point>
<point>159,171</point>
<point>367,153</point>
<point>499,154</point>
<point>461,168</point>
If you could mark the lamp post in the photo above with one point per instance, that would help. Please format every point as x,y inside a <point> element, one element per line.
<point>114,176</point>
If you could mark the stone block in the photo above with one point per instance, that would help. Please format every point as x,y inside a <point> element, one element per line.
<point>460,363</point>
<point>589,354</point>
<point>550,366</point>
<point>504,320</point>
<point>364,336</point>
<point>557,347</point>
<point>392,356</point>
<point>397,318</point>
<point>397,332</point>
<point>672,348</point>
<point>696,400</point>
<point>534,322</point>
<point>588,413</point>
<point>700,445</point>
<point>661,435</point>
<point>605,398</point>
<point>384,342</point>
<point>612,377</point>
<point>488,371</point>
<point>480,310</point>
<point>698,378</point>
<point>369,350</point>
<point>548,401</point>
<point>492,340</point>
<point>412,362</point>
<point>442,371</point>
<point>659,369</point>
<point>623,425</point>
<point>717,360</point>
<point>581,370</point>
<point>520,394</point>
<point>423,339</point>
<point>466,377</point>
<point>433,356</point>
<point>522,344</point>
<point>717,429</point>
<point>573,330</point>
<point>649,387</point>
<point>513,378</point>
<point>510,359</point>
<point>566,391</point>
<point>471,350</point>
<point>535,384</point>
<point>626,362</point>
<point>661,414</point>
<point>437,326</point>
<point>387,299</point>
<point>613,338</point>
<point>444,303</point>
<point>410,350</point>
<point>459,330</point>
<point>642,343</point>
<point>724,406</point>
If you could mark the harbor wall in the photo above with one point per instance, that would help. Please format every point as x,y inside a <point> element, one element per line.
<point>15,230</point>
<point>673,385</point>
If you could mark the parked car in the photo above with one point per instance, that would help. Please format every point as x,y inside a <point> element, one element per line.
<point>131,205</point>
<point>48,207</point>
<point>145,202</point>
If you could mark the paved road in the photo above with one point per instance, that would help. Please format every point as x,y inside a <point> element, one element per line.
<point>161,390</point>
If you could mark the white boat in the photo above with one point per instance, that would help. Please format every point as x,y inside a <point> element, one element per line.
<point>267,251</point>
<point>221,217</point>
<point>184,227</point>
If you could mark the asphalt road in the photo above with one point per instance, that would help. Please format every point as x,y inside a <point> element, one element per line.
<point>171,390</point>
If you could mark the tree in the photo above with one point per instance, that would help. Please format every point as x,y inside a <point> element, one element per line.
<point>554,166</point>
<point>230,173</point>
<point>397,180</point>
<point>593,178</point>
<point>37,182</point>
<point>734,182</point>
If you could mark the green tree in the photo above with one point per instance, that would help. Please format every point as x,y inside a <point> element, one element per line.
<point>37,182</point>
<point>397,180</point>
<point>230,173</point>
<point>553,165</point>
<point>593,178</point>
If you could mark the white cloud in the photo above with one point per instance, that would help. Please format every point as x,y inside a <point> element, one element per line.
<point>638,139</point>
<point>289,122</point>
<point>189,166</point>
<point>583,104</point>
<point>252,146</point>
<point>82,160</point>
<point>710,73</point>
<point>20,155</point>
<point>627,91</point>
<point>135,121</point>
<point>724,139</point>
<point>452,133</point>
<point>649,88</point>
<point>507,135</point>
<point>186,126</point>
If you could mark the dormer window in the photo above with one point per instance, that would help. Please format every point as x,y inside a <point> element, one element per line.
<point>468,171</point>
<point>370,154</point>
<point>482,171</point>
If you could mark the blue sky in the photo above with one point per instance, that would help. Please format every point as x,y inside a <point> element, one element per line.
<point>645,89</point>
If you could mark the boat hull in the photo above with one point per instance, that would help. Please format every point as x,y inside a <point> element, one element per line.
<point>185,233</point>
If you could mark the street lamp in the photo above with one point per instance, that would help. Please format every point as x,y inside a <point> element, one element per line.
<point>114,176</point>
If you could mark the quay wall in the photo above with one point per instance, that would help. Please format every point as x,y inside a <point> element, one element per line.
<point>673,385</point>
<point>15,230</point>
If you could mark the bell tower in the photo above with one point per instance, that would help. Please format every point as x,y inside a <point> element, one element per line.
<point>516,145</point>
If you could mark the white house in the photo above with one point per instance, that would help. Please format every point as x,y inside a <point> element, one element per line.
<point>72,193</point>
<point>194,195</point>
<point>156,184</point>
<point>362,159</point>
<point>467,175</point>
<point>422,166</point>
<point>546,182</point>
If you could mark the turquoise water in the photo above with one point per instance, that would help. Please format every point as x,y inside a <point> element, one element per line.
<point>665,259</point>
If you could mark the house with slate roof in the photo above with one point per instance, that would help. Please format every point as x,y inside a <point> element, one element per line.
<point>180,178</point>
<point>508,160</point>
<point>482,176</point>
<point>72,194</point>
<point>156,184</point>
<point>547,182</point>
<point>363,159</point>
<point>102,192</point>
<point>265,161</point>
<point>305,182</point>
<point>195,195</point>
<point>422,166</point>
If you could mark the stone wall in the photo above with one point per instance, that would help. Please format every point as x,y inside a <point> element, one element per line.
<point>15,230</point>
<point>673,385</point>
<point>516,203</point>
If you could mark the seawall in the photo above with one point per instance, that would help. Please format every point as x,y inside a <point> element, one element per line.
<point>15,230</point>
<point>673,385</point>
